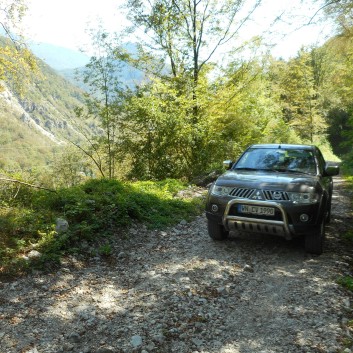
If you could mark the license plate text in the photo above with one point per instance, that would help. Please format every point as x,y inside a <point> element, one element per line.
<point>258,210</point>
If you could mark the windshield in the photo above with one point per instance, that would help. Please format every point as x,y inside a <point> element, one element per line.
<point>282,160</point>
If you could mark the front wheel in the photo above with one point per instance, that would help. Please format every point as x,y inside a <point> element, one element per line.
<point>314,242</point>
<point>216,231</point>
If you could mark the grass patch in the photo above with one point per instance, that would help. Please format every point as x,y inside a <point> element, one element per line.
<point>96,212</point>
<point>346,282</point>
<point>349,181</point>
<point>348,235</point>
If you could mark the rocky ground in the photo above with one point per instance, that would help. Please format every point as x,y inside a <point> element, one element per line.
<point>178,291</point>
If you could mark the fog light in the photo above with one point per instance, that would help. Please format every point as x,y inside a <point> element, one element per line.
<point>304,217</point>
<point>214,208</point>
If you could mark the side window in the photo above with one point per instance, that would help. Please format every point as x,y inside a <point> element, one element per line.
<point>301,160</point>
<point>321,161</point>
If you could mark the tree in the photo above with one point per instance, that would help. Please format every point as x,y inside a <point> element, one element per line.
<point>182,39</point>
<point>338,87</point>
<point>69,168</point>
<point>16,61</point>
<point>188,32</point>
<point>157,132</point>
<point>247,109</point>
<point>103,104</point>
<point>300,96</point>
<point>341,11</point>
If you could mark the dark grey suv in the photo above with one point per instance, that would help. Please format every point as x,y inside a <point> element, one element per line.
<point>284,190</point>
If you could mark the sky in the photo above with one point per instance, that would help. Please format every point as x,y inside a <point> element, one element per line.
<point>65,23</point>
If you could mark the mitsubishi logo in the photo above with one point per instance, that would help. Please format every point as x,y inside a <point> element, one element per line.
<point>257,196</point>
<point>277,195</point>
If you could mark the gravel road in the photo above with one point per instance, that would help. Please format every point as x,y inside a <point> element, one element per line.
<point>176,290</point>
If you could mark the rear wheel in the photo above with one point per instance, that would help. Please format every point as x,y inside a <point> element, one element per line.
<point>314,242</point>
<point>216,231</point>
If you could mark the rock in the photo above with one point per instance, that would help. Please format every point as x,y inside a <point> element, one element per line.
<point>121,255</point>
<point>32,350</point>
<point>34,254</point>
<point>74,337</point>
<point>61,226</point>
<point>106,350</point>
<point>150,347</point>
<point>197,342</point>
<point>160,338</point>
<point>248,268</point>
<point>347,303</point>
<point>136,341</point>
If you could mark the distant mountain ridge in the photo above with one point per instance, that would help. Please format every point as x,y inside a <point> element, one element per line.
<point>70,64</point>
<point>59,58</point>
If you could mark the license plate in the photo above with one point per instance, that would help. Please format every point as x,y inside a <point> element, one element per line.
<point>258,210</point>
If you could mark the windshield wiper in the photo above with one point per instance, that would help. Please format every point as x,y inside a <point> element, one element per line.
<point>290,171</point>
<point>258,169</point>
<point>245,168</point>
<point>278,170</point>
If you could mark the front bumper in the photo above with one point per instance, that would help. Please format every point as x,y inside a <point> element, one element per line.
<point>285,223</point>
<point>258,225</point>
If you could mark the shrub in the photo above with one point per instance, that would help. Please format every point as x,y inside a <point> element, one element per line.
<point>95,210</point>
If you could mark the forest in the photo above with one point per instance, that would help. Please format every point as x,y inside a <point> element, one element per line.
<point>175,126</point>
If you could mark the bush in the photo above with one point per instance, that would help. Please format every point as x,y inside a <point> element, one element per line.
<point>95,211</point>
<point>347,165</point>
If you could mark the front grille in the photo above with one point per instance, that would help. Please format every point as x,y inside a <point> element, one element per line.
<point>269,195</point>
<point>242,193</point>
<point>276,195</point>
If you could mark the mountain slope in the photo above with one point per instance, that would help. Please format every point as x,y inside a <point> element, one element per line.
<point>39,123</point>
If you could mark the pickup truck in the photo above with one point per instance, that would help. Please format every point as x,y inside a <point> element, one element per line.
<point>277,189</point>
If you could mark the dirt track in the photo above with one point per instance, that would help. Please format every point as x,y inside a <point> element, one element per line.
<point>178,291</point>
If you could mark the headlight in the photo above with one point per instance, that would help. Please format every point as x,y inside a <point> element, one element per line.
<point>303,197</point>
<point>221,190</point>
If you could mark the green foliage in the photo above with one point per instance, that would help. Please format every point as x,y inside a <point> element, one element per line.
<point>346,282</point>
<point>17,63</point>
<point>96,211</point>
<point>171,128</point>
<point>348,235</point>
<point>32,125</point>
<point>336,91</point>
<point>158,132</point>
<point>105,250</point>
<point>101,76</point>
<point>189,114</point>
<point>297,83</point>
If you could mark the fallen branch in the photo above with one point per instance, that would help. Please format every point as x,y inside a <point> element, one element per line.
<point>27,184</point>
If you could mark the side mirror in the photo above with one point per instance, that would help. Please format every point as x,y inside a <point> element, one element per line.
<point>227,164</point>
<point>331,170</point>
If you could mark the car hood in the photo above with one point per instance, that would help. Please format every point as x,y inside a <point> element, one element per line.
<point>268,180</point>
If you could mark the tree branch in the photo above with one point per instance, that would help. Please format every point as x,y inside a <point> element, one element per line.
<point>27,184</point>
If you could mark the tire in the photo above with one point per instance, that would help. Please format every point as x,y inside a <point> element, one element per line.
<point>216,231</point>
<point>314,242</point>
